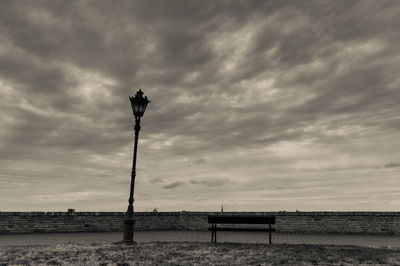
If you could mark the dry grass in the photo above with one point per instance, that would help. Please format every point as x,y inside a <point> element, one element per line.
<point>158,253</point>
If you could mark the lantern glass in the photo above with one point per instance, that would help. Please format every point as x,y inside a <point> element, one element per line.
<point>140,107</point>
<point>136,106</point>
<point>144,107</point>
<point>139,104</point>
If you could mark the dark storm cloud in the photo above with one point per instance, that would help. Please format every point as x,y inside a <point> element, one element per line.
<point>174,185</point>
<point>213,182</point>
<point>157,180</point>
<point>43,76</point>
<point>161,44</point>
<point>392,164</point>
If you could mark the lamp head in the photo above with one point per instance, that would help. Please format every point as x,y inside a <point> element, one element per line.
<point>139,103</point>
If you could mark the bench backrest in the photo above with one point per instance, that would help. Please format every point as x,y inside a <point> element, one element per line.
<point>219,219</point>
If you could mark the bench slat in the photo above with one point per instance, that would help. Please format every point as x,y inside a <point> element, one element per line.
<point>241,229</point>
<point>241,219</point>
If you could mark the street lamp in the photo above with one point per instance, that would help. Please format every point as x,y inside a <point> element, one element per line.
<point>139,104</point>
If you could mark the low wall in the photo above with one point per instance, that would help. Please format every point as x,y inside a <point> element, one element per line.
<point>294,222</point>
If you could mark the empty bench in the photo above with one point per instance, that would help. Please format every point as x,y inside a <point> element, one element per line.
<point>220,219</point>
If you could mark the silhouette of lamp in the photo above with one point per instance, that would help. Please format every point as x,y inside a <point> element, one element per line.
<point>139,104</point>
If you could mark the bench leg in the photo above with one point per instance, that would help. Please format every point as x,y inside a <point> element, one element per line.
<point>214,234</point>
<point>270,239</point>
<point>214,237</point>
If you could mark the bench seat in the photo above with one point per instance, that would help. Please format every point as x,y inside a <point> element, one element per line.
<point>241,229</point>
<point>225,219</point>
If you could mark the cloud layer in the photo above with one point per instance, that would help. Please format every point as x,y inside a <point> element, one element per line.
<point>257,105</point>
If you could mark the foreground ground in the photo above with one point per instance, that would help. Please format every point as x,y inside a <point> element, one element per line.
<point>185,253</point>
<point>378,241</point>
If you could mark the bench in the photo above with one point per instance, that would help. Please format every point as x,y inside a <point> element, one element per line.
<point>220,219</point>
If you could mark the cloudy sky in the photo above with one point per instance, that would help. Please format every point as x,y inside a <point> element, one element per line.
<point>256,105</point>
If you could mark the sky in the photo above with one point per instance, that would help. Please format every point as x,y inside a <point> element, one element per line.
<point>255,105</point>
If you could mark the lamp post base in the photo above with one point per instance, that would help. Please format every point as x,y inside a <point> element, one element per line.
<point>128,231</point>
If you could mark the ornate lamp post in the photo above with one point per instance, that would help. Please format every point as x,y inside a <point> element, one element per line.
<point>139,104</point>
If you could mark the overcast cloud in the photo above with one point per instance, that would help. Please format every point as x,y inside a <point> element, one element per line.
<point>256,105</point>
